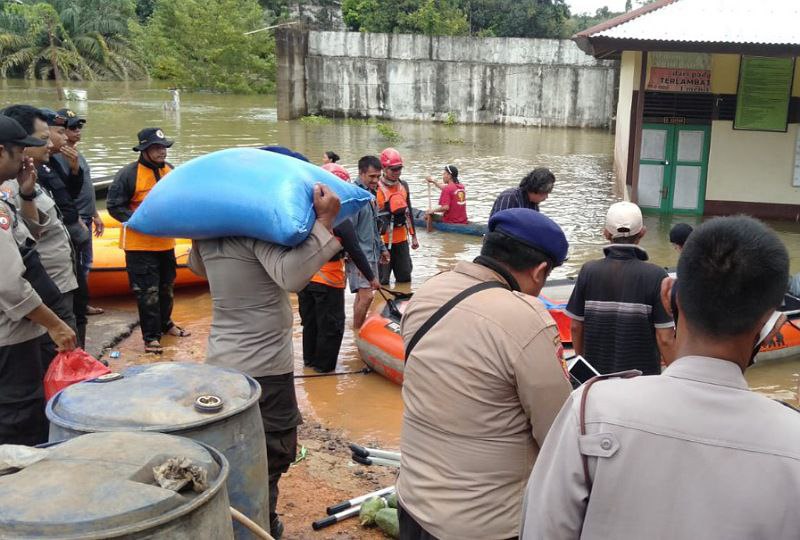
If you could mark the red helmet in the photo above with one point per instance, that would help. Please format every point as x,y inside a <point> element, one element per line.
<point>391,158</point>
<point>338,170</point>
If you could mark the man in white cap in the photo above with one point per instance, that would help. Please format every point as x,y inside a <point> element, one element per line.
<point>618,320</point>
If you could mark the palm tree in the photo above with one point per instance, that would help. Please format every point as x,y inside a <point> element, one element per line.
<point>66,39</point>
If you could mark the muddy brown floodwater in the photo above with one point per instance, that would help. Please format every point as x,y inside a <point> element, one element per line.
<point>490,158</point>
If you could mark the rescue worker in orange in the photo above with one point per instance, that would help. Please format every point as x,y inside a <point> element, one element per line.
<point>395,219</point>
<point>150,260</point>
<point>321,302</point>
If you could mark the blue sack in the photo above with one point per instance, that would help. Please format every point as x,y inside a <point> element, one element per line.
<point>241,192</point>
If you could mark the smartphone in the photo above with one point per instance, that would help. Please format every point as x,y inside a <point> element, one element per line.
<point>580,370</point>
<point>768,327</point>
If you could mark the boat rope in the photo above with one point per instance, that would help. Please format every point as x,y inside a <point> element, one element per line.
<point>362,371</point>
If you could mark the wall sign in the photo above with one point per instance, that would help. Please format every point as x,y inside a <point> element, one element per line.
<point>664,79</point>
<point>765,87</point>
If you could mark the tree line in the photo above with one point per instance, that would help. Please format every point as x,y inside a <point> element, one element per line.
<point>193,44</point>
<point>483,18</point>
<point>219,45</point>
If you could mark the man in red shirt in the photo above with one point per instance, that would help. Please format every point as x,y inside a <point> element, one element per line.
<point>453,200</point>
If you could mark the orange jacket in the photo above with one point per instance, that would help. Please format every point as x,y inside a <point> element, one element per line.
<point>400,232</point>
<point>332,272</point>
<point>145,180</point>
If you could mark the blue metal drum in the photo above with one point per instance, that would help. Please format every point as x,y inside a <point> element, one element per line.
<point>214,405</point>
<point>102,486</point>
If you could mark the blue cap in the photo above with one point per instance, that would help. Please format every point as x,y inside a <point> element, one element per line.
<point>285,151</point>
<point>533,229</point>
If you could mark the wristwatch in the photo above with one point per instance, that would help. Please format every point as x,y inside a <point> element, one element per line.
<point>30,197</point>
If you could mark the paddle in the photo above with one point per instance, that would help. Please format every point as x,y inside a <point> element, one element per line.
<point>428,216</point>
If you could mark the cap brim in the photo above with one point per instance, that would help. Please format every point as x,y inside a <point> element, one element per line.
<point>28,141</point>
<point>166,143</point>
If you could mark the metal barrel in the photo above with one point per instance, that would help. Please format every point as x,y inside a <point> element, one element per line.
<point>102,485</point>
<point>214,405</point>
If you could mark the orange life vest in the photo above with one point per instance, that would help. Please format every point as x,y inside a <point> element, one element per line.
<point>332,272</point>
<point>131,240</point>
<point>393,200</point>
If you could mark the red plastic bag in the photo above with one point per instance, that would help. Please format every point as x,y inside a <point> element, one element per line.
<point>69,368</point>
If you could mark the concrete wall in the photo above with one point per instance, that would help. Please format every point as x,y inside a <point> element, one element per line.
<point>292,47</point>
<point>482,80</point>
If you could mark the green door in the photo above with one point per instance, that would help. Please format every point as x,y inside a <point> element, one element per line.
<point>673,164</point>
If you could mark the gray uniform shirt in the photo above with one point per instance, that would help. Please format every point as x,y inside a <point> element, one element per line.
<point>17,297</point>
<point>86,201</point>
<point>365,223</point>
<point>690,453</point>
<point>53,243</point>
<point>251,328</point>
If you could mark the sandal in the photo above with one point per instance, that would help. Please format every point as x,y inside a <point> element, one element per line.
<point>153,347</point>
<point>91,310</point>
<point>177,331</point>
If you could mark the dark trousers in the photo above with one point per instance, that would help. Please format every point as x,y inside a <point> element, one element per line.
<point>409,528</point>
<point>22,417</point>
<point>64,311</point>
<point>80,302</point>
<point>322,316</point>
<point>152,278</point>
<point>280,416</point>
<point>86,252</point>
<point>400,263</point>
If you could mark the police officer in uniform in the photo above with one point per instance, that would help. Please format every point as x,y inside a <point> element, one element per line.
<point>23,316</point>
<point>482,385</point>
<point>690,453</point>
<point>53,243</point>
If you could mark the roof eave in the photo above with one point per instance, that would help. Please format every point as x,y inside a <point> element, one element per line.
<point>602,47</point>
<point>621,19</point>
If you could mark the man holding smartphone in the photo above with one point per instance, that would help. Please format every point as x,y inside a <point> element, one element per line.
<point>690,453</point>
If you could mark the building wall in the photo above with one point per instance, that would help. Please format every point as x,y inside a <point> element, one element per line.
<point>629,74</point>
<point>744,166</point>
<point>483,80</point>
<point>752,166</point>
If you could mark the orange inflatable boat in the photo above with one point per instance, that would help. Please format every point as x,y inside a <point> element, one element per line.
<point>109,277</point>
<point>381,346</point>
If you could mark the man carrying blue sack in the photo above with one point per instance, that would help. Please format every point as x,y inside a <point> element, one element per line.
<point>251,326</point>
<point>150,260</point>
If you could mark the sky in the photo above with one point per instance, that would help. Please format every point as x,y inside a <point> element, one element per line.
<point>590,6</point>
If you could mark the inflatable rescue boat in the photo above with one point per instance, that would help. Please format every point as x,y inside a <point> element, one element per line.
<point>381,345</point>
<point>109,277</point>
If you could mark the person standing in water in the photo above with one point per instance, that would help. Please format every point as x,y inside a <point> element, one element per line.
<point>453,199</point>
<point>533,190</point>
<point>394,215</point>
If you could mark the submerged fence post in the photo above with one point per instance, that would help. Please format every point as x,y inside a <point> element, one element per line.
<point>292,49</point>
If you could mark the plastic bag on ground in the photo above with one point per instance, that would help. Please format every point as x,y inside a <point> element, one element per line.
<point>71,367</point>
<point>389,522</point>
<point>369,509</point>
<point>241,192</point>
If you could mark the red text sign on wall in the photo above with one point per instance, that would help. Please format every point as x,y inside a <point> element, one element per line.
<point>679,80</point>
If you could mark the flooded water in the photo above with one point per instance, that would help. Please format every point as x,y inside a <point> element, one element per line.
<point>489,158</point>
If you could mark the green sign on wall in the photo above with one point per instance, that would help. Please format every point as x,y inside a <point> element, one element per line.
<point>765,87</point>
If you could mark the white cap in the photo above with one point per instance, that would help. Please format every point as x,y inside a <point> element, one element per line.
<point>623,219</point>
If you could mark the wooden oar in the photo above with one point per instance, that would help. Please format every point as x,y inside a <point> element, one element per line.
<point>428,216</point>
